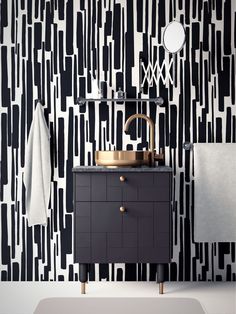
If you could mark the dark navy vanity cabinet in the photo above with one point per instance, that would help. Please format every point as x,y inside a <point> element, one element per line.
<point>122,215</point>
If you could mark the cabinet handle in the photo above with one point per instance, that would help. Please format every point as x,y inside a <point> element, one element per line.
<point>122,179</point>
<point>122,209</point>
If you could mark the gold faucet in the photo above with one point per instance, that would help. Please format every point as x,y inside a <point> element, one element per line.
<point>152,156</point>
<point>151,124</point>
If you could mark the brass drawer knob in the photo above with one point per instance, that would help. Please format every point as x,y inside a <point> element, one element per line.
<point>122,209</point>
<point>122,179</point>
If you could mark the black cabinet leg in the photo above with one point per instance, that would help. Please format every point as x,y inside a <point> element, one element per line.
<point>83,276</point>
<point>160,277</point>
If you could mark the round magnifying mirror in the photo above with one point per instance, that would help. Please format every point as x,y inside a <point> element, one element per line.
<point>174,37</point>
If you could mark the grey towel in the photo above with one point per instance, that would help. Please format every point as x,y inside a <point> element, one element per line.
<point>37,175</point>
<point>215,192</point>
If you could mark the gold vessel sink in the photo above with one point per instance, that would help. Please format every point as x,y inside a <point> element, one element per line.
<point>122,158</point>
<point>130,158</point>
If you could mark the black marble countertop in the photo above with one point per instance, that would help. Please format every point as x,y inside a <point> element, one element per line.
<point>120,169</point>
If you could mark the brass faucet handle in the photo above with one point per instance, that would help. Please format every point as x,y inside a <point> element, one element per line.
<point>160,156</point>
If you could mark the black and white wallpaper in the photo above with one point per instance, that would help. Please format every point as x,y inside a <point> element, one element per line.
<point>55,51</point>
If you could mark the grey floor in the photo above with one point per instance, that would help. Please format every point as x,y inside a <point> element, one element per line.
<point>23,297</point>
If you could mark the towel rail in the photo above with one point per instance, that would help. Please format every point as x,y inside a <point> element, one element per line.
<point>158,100</point>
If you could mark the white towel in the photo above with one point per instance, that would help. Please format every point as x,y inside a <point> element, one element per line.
<point>37,174</point>
<point>215,192</point>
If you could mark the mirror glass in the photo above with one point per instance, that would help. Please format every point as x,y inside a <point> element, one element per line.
<point>174,37</point>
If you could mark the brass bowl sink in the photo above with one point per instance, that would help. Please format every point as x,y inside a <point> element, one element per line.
<point>122,158</point>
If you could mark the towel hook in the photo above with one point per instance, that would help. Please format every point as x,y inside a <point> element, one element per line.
<point>38,100</point>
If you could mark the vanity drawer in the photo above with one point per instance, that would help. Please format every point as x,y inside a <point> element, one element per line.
<point>105,234</point>
<point>118,186</point>
<point>107,217</point>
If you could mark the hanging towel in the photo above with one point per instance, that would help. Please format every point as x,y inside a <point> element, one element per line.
<point>37,174</point>
<point>215,192</point>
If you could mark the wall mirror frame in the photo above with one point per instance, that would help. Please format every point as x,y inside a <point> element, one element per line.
<point>174,37</point>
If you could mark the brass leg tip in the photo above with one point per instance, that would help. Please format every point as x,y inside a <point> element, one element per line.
<point>161,288</point>
<point>83,290</point>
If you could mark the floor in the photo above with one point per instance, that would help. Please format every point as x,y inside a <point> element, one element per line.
<point>23,297</point>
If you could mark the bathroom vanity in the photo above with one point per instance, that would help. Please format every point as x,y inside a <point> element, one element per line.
<point>122,215</point>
